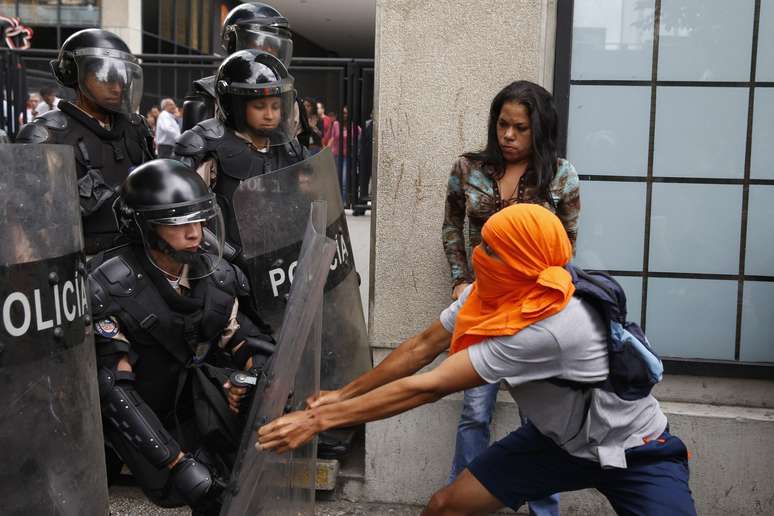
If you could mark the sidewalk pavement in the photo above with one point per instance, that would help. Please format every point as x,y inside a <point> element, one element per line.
<point>129,501</point>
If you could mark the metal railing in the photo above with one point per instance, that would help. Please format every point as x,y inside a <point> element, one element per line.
<point>337,82</point>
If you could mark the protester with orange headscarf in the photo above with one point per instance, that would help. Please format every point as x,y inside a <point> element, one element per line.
<point>520,323</point>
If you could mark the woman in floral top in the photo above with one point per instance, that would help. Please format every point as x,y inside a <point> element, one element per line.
<point>518,164</point>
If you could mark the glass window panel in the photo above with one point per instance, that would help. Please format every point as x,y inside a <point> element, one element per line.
<point>695,228</point>
<point>700,132</point>
<point>608,129</point>
<point>150,19</point>
<point>38,13</point>
<point>8,8</point>
<point>208,20</point>
<point>705,40</point>
<point>165,19</point>
<point>764,69</point>
<point>757,343</point>
<point>692,318</point>
<point>195,8</point>
<point>182,13</point>
<point>612,39</point>
<point>633,289</point>
<point>610,229</point>
<point>759,255</point>
<point>762,158</point>
<point>80,12</point>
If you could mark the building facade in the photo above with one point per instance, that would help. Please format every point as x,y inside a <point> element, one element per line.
<point>667,117</point>
<point>161,26</point>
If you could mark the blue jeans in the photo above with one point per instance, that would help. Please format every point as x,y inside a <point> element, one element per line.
<point>343,165</point>
<point>473,436</point>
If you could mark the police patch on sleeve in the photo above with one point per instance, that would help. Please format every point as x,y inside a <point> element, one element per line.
<point>106,328</point>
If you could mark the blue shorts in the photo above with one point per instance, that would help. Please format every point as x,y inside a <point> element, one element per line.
<point>526,465</point>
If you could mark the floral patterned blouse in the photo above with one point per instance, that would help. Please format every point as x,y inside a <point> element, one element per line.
<point>473,192</point>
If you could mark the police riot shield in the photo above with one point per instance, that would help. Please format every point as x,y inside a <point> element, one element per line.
<point>266,483</point>
<point>281,200</point>
<point>50,425</point>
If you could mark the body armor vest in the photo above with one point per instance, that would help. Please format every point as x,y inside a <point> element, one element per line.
<point>164,329</point>
<point>99,152</point>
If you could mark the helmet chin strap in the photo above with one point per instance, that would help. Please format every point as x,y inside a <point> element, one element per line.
<point>186,257</point>
<point>92,108</point>
<point>262,133</point>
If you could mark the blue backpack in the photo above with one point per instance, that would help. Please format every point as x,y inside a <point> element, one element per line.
<point>634,367</point>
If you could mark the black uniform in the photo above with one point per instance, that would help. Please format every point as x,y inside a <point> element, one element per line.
<point>104,157</point>
<point>171,375</point>
<point>181,343</point>
<point>236,161</point>
<point>100,67</point>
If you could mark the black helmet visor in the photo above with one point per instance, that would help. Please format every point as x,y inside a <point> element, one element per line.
<point>110,78</point>
<point>272,39</point>
<point>201,218</point>
<point>267,109</point>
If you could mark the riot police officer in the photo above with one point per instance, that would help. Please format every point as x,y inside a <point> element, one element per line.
<point>168,328</point>
<point>249,25</point>
<point>109,137</point>
<point>252,133</point>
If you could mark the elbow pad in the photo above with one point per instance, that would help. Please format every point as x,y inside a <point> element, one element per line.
<point>126,411</point>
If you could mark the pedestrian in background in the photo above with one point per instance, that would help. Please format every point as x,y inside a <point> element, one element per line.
<point>518,165</point>
<point>338,144</point>
<point>49,97</point>
<point>167,128</point>
<point>314,140</point>
<point>30,109</point>
<point>151,116</point>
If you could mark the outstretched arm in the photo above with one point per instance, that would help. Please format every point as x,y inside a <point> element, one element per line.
<point>288,432</point>
<point>408,358</point>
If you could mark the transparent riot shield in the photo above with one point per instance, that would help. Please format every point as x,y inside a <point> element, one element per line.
<point>280,201</point>
<point>263,482</point>
<point>50,426</point>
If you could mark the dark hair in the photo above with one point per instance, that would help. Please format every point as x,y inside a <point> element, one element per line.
<point>543,121</point>
<point>48,90</point>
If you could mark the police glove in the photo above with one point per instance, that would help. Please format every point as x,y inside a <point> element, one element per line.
<point>191,479</point>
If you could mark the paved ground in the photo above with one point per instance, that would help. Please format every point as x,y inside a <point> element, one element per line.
<point>128,501</point>
<point>360,236</point>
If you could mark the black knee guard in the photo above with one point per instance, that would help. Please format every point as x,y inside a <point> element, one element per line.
<point>126,411</point>
<point>192,480</point>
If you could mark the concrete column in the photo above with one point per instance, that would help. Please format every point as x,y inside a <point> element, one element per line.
<point>439,63</point>
<point>124,18</point>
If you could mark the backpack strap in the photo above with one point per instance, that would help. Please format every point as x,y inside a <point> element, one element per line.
<point>602,291</point>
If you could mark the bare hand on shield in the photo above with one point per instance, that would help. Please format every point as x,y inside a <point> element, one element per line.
<point>325,398</point>
<point>288,432</point>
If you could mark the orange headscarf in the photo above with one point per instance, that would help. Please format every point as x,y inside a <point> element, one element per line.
<point>523,282</point>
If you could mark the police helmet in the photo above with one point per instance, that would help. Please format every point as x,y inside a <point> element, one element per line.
<point>248,75</point>
<point>100,65</point>
<point>259,26</point>
<point>166,192</point>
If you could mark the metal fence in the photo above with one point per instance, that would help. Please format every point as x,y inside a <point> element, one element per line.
<point>335,82</point>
